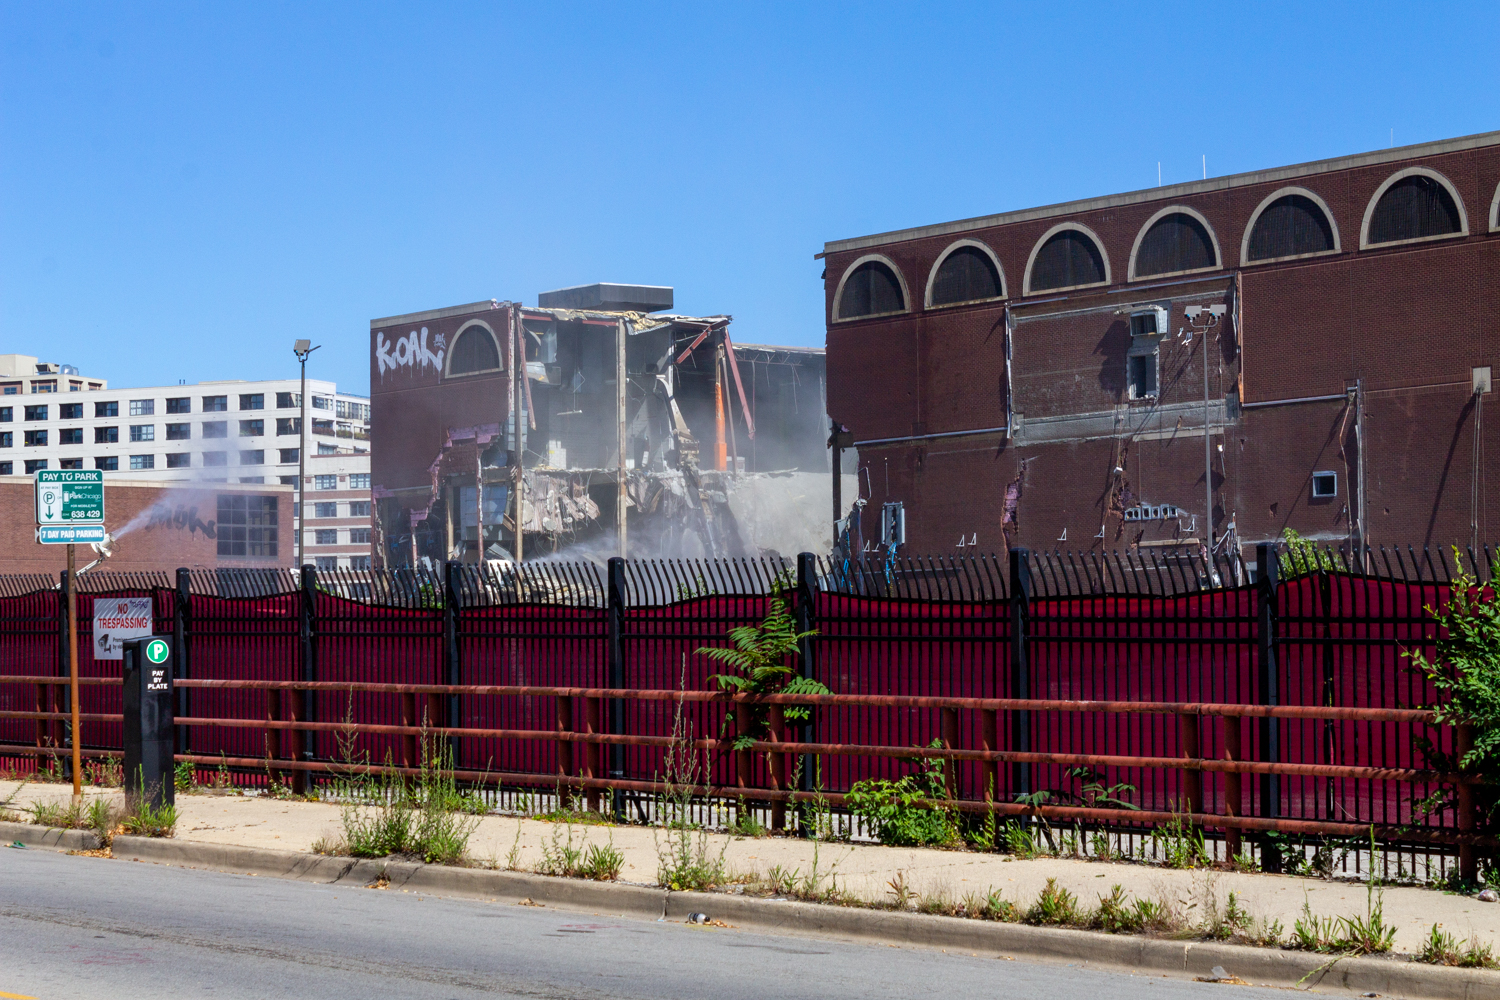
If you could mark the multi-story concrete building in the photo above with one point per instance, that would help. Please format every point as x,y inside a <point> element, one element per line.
<point>207,432</point>
<point>338,511</point>
<point>23,375</point>
<point>1211,363</point>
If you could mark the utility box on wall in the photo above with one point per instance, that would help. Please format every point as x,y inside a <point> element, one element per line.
<point>148,667</point>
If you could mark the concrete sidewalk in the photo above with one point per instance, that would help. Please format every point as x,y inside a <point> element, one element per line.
<point>861,870</point>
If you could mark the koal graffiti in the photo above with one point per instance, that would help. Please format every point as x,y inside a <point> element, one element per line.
<point>410,351</point>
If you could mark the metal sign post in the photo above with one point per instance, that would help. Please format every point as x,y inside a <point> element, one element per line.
<point>70,509</point>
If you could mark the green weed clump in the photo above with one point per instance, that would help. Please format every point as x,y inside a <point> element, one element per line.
<point>1055,906</point>
<point>1357,935</point>
<point>1179,844</point>
<point>428,817</point>
<point>97,814</point>
<point>684,859</point>
<point>600,862</point>
<point>142,819</point>
<point>1441,948</point>
<point>895,811</point>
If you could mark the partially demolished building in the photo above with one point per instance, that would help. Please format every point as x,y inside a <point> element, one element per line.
<point>595,422</point>
<point>1207,364</point>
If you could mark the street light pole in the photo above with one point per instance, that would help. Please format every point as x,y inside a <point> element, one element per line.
<point>301,349</point>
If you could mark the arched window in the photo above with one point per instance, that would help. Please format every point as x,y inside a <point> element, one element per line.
<point>474,350</point>
<point>1176,240</point>
<point>1415,204</point>
<point>1290,225</point>
<point>870,288</point>
<point>965,273</point>
<point>1066,258</point>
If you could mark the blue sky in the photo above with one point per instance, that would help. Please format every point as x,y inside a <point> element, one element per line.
<point>187,188</point>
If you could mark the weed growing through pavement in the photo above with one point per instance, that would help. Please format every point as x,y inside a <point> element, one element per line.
<point>684,856</point>
<point>106,772</point>
<point>1442,948</point>
<point>142,819</point>
<point>97,814</point>
<point>1179,844</point>
<point>896,811</point>
<point>1055,905</point>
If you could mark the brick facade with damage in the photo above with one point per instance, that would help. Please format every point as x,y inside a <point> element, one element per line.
<point>1359,315</point>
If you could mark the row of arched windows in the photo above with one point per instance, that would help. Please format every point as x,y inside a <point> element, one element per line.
<point>1413,204</point>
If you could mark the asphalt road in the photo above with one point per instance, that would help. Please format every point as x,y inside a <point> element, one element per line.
<point>76,927</point>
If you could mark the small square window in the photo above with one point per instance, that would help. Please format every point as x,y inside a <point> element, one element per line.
<point>359,562</point>
<point>70,435</point>
<point>7,468</point>
<point>7,439</point>
<point>288,425</point>
<point>359,508</point>
<point>36,439</point>
<point>106,435</point>
<point>143,432</point>
<point>1325,484</point>
<point>288,456</point>
<point>179,432</point>
<point>108,463</point>
<point>288,400</point>
<point>289,481</point>
<point>36,413</point>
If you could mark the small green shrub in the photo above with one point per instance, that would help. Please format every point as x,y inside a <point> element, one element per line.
<point>1232,921</point>
<point>895,812</point>
<point>993,907</point>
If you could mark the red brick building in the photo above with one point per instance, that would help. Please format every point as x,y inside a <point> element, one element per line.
<point>161,526</point>
<point>1034,378</point>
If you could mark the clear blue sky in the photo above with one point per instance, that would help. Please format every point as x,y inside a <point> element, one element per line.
<point>185,189</point>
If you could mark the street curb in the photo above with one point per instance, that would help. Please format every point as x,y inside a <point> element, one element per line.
<point>440,880</point>
<point>1090,949</point>
<point>1086,949</point>
<point>51,838</point>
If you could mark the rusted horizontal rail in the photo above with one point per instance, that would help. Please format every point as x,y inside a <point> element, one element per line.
<point>875,700</point>
<point>59,681</point>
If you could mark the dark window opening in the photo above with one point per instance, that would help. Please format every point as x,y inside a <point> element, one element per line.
<point>180,460</point>
<point>70,435</point>
<point>1176,242</point>
<point>1412,208</point>
<point>106,435</point>
<point>870,291</point>
<point>246,525</point>
<point>474,351</point>
<point>1068,258</point>
<point>1325,484</point>
<point>107,463</point>
<point>107,409</point>
<point>1290,226</point>
<point>70,411</point>
<point>965,275</point>
<point>1142,376</point>
<point>182,404</point>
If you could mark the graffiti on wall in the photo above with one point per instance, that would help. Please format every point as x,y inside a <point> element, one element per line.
<point>411,351</point>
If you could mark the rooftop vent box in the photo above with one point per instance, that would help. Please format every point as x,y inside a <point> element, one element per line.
<point>46,369</point>
<point>609,298</point>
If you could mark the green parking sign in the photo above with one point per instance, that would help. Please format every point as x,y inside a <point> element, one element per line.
<point>70,496</point>
<point>157,651</point>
